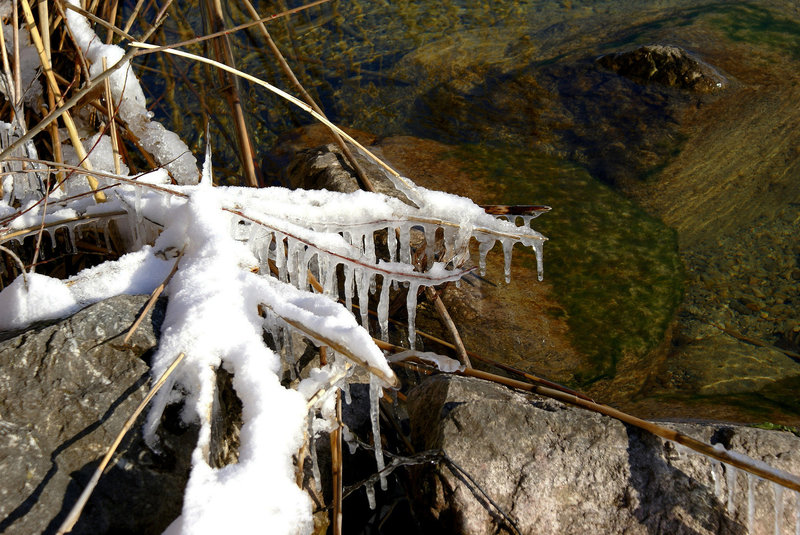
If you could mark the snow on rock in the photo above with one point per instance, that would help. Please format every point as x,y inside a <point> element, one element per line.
<point>34,298</point>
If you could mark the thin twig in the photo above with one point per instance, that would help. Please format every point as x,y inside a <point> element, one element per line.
<point>75,513</point>
<point>366,183</point>
<point>450,325</point>
<point>19,262</point>
<point>402,183</point>
<point>68,122</point>
<point>336,467</point>
<point>150,302</point>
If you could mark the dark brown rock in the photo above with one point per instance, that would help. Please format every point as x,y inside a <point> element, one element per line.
<point>667,65</point>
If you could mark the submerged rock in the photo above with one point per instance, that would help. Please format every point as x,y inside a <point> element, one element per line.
<point>65,392</point>
<point>667,65</point>
<point>550,468</point>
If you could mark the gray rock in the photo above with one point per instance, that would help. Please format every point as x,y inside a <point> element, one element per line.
<point>667,65</point>
<point>65,391</point>
<point>555,469</point>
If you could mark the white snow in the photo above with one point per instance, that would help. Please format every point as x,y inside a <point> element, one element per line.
<point>44,298</point>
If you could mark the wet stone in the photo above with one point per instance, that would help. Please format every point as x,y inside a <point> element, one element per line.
<point>667,65</point>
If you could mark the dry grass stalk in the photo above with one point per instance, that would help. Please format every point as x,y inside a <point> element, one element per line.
<point>51,80</point>
<point>112,124</point>
<point>152,301</point>
<point>450,325</point>
<point>336,467</point>
<point>76,510</point>
<point>230,88</point>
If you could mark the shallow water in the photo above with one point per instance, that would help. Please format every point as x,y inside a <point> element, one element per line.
<point>674,254</point>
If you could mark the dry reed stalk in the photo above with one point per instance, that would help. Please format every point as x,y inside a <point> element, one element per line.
<point>75,512</point>
<point>112,124</point>
<point>230,88</point>
<point>450,325</point>
<point>336,468</point>
<point>133,16</point>
<point>152,301</point>
<point>366,183</point>
<point>148,48</point>
<point>19,262</point>
<point>68,122</point>
<point>111,16</point>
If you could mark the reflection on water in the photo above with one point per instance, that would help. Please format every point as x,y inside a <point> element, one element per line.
<point>712,180</point>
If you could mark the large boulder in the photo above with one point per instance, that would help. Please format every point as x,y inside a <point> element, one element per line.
<point>550,468</point>
<point>66,390</point>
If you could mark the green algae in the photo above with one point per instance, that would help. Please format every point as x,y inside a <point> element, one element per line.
<point>757,25</point>
<point>614,269</point>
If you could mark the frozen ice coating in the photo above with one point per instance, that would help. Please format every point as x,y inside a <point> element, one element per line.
<point>165,146</point>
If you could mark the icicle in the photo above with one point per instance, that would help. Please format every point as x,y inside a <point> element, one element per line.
<point>369,247</point>
<point>346,389</point>
<point>430,245</point>
<point>312,448</point>
<point>404,233</point>
<point>370,495</point>
<point>288,353</point>
<point>363,296</point>
<point>526,220</point>
<point>280,256</point>
<point>375,394</point>
<point>778,490</point>
<point>383,308</point>
<point>716,467</point>
<point>508,246</point>
<point>328,274</point>
<point>306,256</point>
<point>106,224</point>
<point>137,205</point>
<point>449,243</point>
<point>292,259</point>
<point>730,474</point>
<point>751,502</point>
<point>70,227</point>
<point>486,244</point>
<point>411,308</point>
<point>348,286</point>
<point>263,257</point>
<point>537,248</point>
<point>391,242</point>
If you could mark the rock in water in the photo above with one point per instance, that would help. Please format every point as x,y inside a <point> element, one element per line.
<point>65,391</point>
<point>554,469</point>
<point>667,65</point>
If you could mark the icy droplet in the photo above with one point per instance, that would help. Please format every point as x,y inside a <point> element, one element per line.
<point>508,246</point>
<point>411,308</point>
<point>383,308</point>
<point>486,244</point>
<point>375,394</point>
